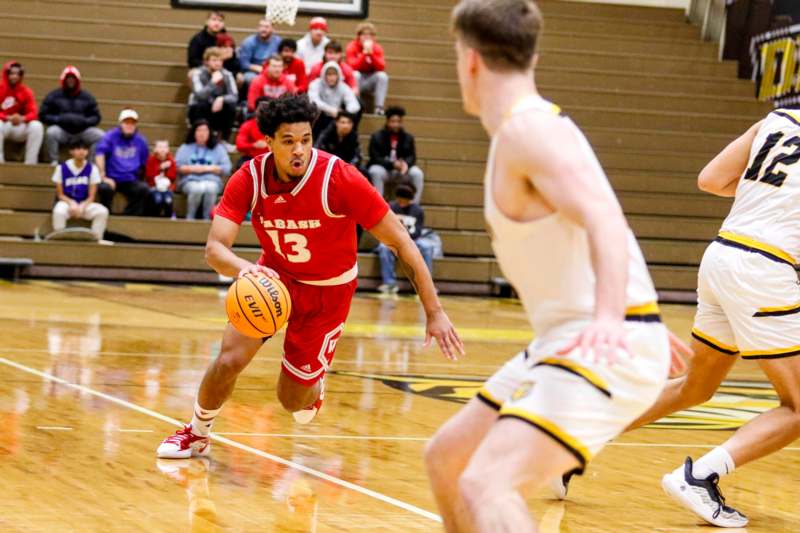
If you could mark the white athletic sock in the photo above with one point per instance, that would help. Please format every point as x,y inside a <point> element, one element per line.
<point>717,460</point>
<point>203,419</point>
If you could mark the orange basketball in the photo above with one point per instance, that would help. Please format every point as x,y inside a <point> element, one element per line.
<point>258,306</point>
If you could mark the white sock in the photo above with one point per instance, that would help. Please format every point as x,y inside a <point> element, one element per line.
<point>203,419</point>
<point>717,461</point>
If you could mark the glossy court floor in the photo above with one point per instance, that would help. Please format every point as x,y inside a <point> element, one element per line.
<point>93,376</point>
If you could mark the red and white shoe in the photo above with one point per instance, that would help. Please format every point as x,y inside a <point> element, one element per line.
<point>183,445</point>
<point>305,416</point>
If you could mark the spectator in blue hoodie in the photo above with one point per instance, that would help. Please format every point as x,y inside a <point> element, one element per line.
<point>202,163</point>
<point>256,49</point>
<point>121,159</point>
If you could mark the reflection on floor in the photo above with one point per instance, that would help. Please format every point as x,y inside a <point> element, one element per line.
<point>93,376</point>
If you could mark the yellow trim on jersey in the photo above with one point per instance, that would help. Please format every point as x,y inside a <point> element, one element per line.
<point>791,112</point>
<point>572,444</point>
<point>752,243</point>
<point>489,398</point>
<point>714,343</point>
<point>575,368</point>
<point>517,106</point>
<point>778,311</point>
<point>771,354</point>
<point>650,308</point>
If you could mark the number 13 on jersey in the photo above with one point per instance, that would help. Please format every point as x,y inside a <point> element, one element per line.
<point>295,242</point>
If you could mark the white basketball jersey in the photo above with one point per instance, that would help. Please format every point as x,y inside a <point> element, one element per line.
<point>548,261</point>
<point>767,205</point>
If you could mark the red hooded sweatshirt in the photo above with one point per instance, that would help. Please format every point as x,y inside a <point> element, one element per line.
<point>17,99</point>
<point>365,63</point>
<point>264,86</point>
<point>296,72</point>
<point>248,135</point>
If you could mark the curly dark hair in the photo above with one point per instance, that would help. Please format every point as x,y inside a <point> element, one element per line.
<point>395,110</point>
<point>287,109</point>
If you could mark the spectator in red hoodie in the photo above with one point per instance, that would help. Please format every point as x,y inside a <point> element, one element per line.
<point>250,142</point>
<point>334,52</point>
<point>293,66</point>
<point>365,55</point>
<point>160,172</point>
<point>272,83</point>
<point>18,114</point>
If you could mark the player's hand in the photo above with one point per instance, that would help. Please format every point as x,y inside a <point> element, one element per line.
<point>678,350</point>
<point>111,183</point>
<point>602,339</point>
<point>440,328</point>
<point>259,269</point>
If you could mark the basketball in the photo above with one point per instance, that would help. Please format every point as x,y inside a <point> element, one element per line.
<point>258,306</point>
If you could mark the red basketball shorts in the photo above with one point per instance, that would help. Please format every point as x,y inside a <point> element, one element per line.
<point>315,326</point>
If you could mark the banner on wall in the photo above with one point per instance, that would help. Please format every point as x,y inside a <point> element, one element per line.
<point>776,57</point>
<point>344,8</point>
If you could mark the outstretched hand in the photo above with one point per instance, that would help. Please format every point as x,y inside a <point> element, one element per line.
<point>602,339</point>
<point>440,328</point>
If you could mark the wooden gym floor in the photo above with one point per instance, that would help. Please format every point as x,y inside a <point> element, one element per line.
<point>93,376</point>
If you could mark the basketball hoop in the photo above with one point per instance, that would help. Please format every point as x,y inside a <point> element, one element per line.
<point>282,11</point>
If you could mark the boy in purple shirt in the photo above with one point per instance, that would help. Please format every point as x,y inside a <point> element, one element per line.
<point>121,159</point>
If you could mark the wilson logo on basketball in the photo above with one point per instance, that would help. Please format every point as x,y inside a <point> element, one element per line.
<point>274,294</point>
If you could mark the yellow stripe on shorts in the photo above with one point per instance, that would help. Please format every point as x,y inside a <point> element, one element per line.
<point>778,311</point>
<point>771,354</point>
<point>573,445</point>
<point>574,368</point>
<point>708,340</point>
<point>757,246</point>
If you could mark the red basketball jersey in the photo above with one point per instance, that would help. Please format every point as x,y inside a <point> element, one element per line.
<point>306,228</point>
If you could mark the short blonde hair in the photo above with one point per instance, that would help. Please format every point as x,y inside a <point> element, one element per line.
<point>212,52</point>
<point>366,27</point>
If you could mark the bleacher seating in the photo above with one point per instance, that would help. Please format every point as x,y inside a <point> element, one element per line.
<point>651,96</point>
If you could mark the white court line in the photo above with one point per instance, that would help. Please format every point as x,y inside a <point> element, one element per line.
<point>280,460</point>
<point>54,428</point>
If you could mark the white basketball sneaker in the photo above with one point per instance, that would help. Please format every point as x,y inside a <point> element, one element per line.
<point>305,416</point>
<point>560,485</point>
<point>183,445</point>
<point>702,497</point>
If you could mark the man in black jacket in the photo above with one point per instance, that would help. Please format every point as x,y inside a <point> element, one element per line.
<point>393,156</point>
<point>71,115</point>
<point>340,138</point>
<point>204,39</point>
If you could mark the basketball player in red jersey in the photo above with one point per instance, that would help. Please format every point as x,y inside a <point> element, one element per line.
<point>305,204</point>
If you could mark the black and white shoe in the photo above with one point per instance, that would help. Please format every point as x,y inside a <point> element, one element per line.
<point>702,497</point>
<point>560,485</point>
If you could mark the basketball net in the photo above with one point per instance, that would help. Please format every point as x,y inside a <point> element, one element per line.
<point>282,11</point>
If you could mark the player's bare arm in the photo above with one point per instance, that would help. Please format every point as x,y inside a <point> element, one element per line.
<point>219,251</point>
<point>721,175</point>
<point>391,232</point>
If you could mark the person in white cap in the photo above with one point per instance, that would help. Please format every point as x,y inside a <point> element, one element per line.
<point>311,47</point>
<point>121,159</point>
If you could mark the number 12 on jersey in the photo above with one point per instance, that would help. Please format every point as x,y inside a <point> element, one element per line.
<point>773,176</point>
<point>298,253</point>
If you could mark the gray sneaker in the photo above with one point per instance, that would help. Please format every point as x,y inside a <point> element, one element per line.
<point>386,288</point>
